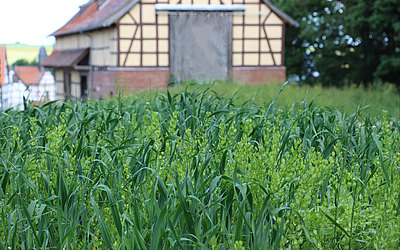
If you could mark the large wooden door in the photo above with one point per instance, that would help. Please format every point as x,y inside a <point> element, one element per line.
<point>200,45</point>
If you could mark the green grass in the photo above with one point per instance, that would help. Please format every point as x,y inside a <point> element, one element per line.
<point>23,51</point>
<point>347,100</point>
<point>195,170</point>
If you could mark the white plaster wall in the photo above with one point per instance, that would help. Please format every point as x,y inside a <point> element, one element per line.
<point>13,95</point>
<point>44,91</point>
<point>6,75</point>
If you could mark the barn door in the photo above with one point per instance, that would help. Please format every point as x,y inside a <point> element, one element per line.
<point>200,45</point>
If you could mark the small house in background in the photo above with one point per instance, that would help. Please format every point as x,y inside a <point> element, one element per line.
<point>40,84</point>
<point>30,82</point>
<point>145,44</point>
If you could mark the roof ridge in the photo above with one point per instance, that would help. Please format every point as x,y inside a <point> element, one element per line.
<point>92,16</point>
<point>29,74</point>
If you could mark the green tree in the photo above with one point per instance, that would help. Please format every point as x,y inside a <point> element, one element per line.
<point>24,62</point>
<point>375,24</point>
<point>314,50</point>
<point>344,41</point>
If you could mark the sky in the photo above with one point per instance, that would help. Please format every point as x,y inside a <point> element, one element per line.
<point>32,21</point>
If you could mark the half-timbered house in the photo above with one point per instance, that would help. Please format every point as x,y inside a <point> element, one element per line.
<point>141,44</point>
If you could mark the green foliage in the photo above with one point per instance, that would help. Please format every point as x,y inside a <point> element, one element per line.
<point>345,41</point>
<point>377,25</point>
<point>347,99</point>
<point>318,44</point>
<point>24,62</point>
<point>18,51</point>
<point>194,170</point>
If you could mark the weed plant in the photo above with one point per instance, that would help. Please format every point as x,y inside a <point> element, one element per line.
<point>194,170</point>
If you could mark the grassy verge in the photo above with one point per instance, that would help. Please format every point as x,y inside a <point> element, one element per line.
<point>347,100</point>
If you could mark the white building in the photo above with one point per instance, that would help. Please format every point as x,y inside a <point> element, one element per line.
<point>30,82</point>
<point>40,84</point>
<point>13,95</point>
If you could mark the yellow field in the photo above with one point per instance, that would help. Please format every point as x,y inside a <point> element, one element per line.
<point>23,51</point>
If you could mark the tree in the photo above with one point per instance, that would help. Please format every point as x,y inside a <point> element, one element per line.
<point>24,62</point>
<point>314,50</point>
<point>376,26</point>
<point>344,41</point>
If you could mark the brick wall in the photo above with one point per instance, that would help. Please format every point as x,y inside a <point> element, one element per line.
<point>253,76</point>
<point>109,83</point>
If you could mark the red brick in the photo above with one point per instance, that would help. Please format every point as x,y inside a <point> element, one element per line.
<point>253,76</point>
<point>109,83</point>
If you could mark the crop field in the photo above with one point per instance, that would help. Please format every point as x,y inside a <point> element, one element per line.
<point>23,51</point>
<point>194,170</point>
<point>347,100</point>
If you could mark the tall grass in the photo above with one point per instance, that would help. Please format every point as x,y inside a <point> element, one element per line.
<point>195,170</point>
<point>347,99</point>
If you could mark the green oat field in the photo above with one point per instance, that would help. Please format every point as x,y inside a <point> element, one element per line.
<point>23,51</point>
<point>192,169</point>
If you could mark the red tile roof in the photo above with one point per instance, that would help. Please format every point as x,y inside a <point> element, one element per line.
<point>3,58</point>
<point>29,74</point>
<point>95,15</point>
<point>98,14</point>
<point>65,58</point>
